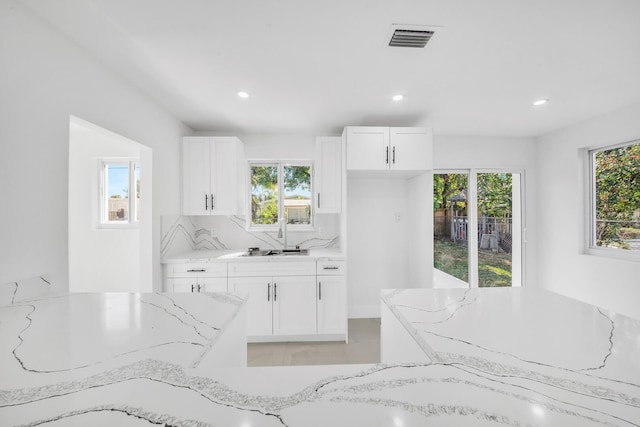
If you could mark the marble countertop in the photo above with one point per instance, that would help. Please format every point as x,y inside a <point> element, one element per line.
<point>237,255</point>
<point>155,382</point>
<point>534,340</point>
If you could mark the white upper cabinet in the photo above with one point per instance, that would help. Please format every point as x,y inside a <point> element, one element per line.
<point>384,148</point>
<point>367,148</point>
<point>213,176</point>
<point>328,175</point>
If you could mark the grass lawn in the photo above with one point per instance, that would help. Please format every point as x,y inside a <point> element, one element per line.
<point>452,258</point>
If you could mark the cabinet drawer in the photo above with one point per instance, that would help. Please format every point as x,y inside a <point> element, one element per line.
<point>272,268</point>
<point>331,268</point>
<point>213,269</point>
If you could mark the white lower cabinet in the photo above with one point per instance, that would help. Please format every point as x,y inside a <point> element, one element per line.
<point>196,277</point>
<point>280,305</point>
<point>294,305</point>
<point>259,305</point>
<point>288,300</point>
<point>331,298</point>
<point>198,284</point>
<point>332,307</point>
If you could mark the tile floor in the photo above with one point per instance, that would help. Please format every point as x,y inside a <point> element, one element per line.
<point>363,347</point>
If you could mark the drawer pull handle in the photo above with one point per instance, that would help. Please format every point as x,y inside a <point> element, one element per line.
<point>196,270</point>
<point>331,268</point>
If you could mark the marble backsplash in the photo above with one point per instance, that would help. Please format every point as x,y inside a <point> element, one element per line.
<point>182,234</point>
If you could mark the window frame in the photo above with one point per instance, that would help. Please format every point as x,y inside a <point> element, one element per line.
<point>281,165</point>
<point>133,220</point>
<point>590,246</point>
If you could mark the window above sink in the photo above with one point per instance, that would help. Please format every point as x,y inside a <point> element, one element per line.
<point>280,189</point>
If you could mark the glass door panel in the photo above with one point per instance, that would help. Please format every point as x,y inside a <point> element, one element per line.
<point>451,252</point>
<point>495,198</point>
<point>477,229</point>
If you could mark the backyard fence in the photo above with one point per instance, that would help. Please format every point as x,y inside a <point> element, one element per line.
<point>456,228</point>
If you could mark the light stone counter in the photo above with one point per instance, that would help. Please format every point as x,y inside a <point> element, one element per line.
<point>238,255</point>
<point>148,376</point>
<point>561,350</point>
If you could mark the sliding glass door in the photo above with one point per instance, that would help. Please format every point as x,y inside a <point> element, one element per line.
<point>477,228</point>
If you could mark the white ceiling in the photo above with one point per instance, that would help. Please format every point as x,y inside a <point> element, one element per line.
<point>314,67</point>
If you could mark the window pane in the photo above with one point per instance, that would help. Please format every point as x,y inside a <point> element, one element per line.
<point>117,192</point>
<point>297,194</point>
<point>264,194</point>
<point>495,229</point>
<point>451,253</point>
<point>617,197</point>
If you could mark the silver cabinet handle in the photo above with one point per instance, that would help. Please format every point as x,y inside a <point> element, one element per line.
<point>275,292</point>
<point>268,291</point>
<point>192,287</point>
<point>199,288</point>
<point>206,202</point>
<point>318,200</point>
<point>331,268</point>
<point>387,158</point>
<point>196,270</point>
<point>394,155</point>
<point>320,291</point>
<point>213,202</point>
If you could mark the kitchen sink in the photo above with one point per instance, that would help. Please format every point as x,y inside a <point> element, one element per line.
<point>257,252</point>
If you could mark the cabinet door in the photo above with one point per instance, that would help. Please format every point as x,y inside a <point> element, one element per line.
<point>259,312</point>
<point>224,175</point>
<point>332,305</point>
<point>294,305</point>
<point>196,186</point>
<point>213,284</point>
<point>328,175</point>
<point>185,284</point>
<point>367,148</point>
<point>410,149</point>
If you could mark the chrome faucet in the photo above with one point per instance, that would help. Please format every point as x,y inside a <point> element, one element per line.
<point>282,231</point>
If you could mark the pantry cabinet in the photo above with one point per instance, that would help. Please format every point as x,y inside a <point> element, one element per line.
<point>388,148</point>
<point>212,176</point>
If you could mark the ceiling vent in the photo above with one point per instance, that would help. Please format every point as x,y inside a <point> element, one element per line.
<point>409,36</point>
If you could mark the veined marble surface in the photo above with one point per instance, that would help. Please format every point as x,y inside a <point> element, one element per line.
<point>155,382</point>
<point>539,339</point>
<point>47,337</point>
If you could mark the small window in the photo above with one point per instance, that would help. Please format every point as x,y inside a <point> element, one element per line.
<point>120,192</point>
<point>280,190</point>
<point>615,201</point>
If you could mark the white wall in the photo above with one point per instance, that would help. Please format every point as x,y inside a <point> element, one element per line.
<point>101,259</point>
<point>43,80</point>
<point>517,154</point>
<point>561,208</point>
<point>377,235</point>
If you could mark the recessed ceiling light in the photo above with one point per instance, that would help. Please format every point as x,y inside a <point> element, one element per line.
<point>397,97</point>
<point>540,102</point>
<point>243,94</point>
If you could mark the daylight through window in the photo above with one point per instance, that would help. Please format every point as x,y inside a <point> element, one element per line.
<point>120,192</point>
<point>280,190</point>
<point>615,210</point>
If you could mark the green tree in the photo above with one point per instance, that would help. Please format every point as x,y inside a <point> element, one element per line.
<point>445,186</point>
<point>617,176</point>
<point>495,194</point>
